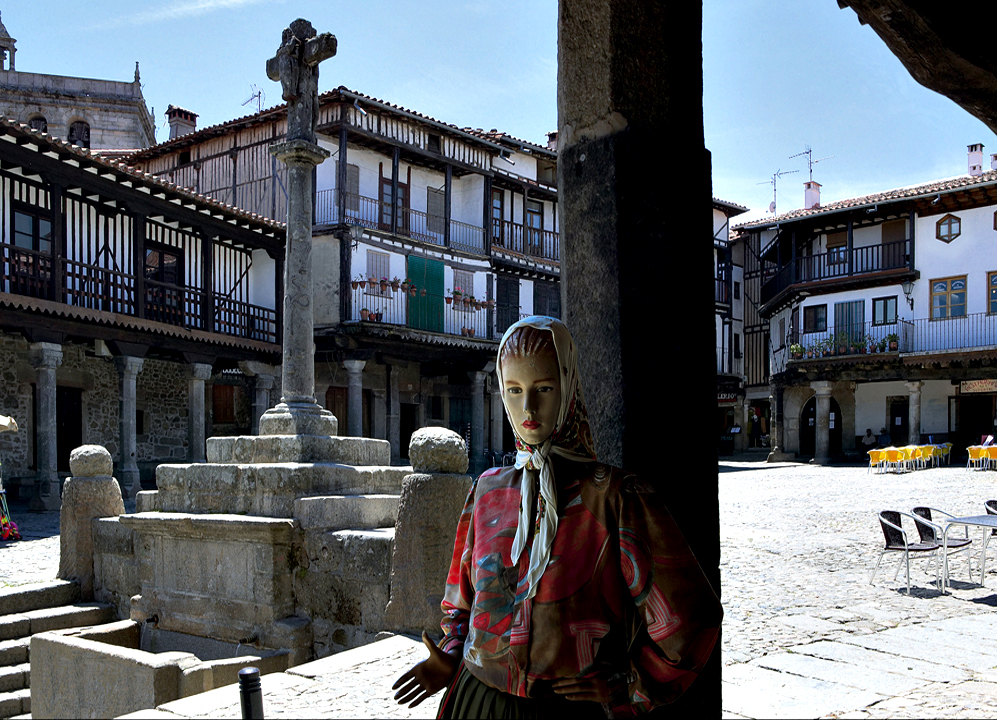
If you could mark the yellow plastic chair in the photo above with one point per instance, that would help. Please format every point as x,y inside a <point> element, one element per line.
<point>947,452</point>
<point>894,458</point>
<point>877,459</point>
<point>976,459</point>
<point>989,457</point>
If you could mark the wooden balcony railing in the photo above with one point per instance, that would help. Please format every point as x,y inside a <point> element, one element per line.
<point>835,264</point>
<point>27,272</point>
<point>526,240</point>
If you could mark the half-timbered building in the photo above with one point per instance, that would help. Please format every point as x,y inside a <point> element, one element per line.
<point>429,241</point>
<point>134,313</point>
<point>882,315</point>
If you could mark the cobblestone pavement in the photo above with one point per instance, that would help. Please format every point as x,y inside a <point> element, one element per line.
<point>804,630</point>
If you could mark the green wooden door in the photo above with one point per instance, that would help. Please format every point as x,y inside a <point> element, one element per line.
<point>425,312</point>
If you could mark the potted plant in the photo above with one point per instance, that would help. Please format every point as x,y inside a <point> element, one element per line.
<point>796,350</point>
<point>355,283</point>
<point>372,281</point>
<point>449,299</point>
<point>384,284</point>
<point>841,342</point>
<point>470,332</point>
<point>395,283</point>
<point>364,314</point>
<point>811,349</point>
<point>422,292</point>
<point>881,345</point>
<point>456,294</point>
<point>871,341</point>
<point>858,346</point>
<point>825,347</point>
<point>412,289</point>
<point>893,341</point>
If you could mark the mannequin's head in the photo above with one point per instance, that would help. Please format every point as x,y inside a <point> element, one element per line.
<point>531,383</point>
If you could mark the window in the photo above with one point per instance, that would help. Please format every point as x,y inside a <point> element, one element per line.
<point>546,298</point>
<point>948,298</point>
<point>465,281</point>
<point>737,290</point>
<point>79,134</point>
<point>884,311</point>
<point>815,319</point>
<point>435,210</point>
<point>352,186</point>
<point>737,346</point>
<point>992,292</point>
<point>184,157</point>
<point>31,256</point>
<point>837,247</point>
<point>849,322</point>
<point>498,201</point>
<point>403,205</point>
<point>948,228</point>
<point>163,296</point>
<point>534,227</point>
<point>433,143</point>
<point>377,268</point>
<point>38,122</point>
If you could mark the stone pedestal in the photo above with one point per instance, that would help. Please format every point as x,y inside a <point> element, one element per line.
<point>428,512</point>
<point>90,493</point>
<point>914,412</point>
<point>823,430</point>
<point>46,357</point>
<point>354,396</point>
<point>128,473</point>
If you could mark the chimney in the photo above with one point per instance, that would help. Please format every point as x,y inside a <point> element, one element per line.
<point>993,161</point>
<point>976,159</point>
<point>811,194</point>
<point>552,141</point>
<point>181,121</point>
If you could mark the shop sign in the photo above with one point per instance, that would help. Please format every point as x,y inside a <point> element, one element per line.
<point>978,386</point>
<point>726,398</point>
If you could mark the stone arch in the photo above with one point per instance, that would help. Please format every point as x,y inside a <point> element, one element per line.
<point>78,131</point>
<point>808,428</point>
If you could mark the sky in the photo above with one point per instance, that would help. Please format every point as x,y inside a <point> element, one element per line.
<point>779,77</point>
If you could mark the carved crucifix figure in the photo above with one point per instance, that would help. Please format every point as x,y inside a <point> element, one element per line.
<point>295,66</point>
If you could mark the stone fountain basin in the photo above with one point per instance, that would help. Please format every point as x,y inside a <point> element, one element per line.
<point>117,668</point>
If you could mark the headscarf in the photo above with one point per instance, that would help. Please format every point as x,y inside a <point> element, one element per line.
<point>572,439</point>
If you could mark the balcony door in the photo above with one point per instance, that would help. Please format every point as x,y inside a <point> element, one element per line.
<point>163,291</point>
<point>849,323</point>
<point>31,257</point>
<point>425,312</point>
<point>534,228</point>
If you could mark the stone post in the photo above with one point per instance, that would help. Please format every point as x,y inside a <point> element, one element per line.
<point>298,413</point>
<point>823,430</point>
<point>354,396</point>
<point>379,420</point>
<point>90,493</point>
<point>394,415</point>
<point>199,373</point>
<point>46,357</point>
<point>914,412</point>
<point>477,421</point>
<point>128,370</point>
<point>497,414</point>
<point>429,509</point>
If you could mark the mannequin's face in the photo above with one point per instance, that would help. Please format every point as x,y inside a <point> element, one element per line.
<point>532,391</point>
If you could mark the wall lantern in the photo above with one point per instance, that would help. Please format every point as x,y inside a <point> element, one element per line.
<point>908,287</point>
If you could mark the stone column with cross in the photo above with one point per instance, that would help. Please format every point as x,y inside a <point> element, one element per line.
<point>295,66</point>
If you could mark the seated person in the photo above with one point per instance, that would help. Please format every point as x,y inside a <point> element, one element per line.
<point>869,440</point>
<point>884,438</point>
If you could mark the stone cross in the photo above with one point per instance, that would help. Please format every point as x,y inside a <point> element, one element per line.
<point>295,66</point>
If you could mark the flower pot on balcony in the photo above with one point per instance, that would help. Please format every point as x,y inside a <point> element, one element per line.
<point>448,299</point>
<point>467,301</point>
<point>384,286</point>
<point>364,314</point>
<point>354,284</point>
<point>380,316</point>
<point>894,345</point>
<point>412,290</point>
<point>422,292</point>
<point>470,332</point>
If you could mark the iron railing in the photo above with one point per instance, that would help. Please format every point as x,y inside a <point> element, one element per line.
<point>422,310</point>
<point>729,362</point>
<point>526,240</point>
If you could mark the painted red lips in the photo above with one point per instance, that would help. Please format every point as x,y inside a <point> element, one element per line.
<point>531,424</point>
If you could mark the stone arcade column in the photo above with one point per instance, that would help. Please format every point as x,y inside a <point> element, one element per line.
<point>630,98</point>
<point>46,357</point>
<point>914,412</point>
<point>199,373</point>
<point>128,370</point>
<point>354,396</point>
<point>823,430</point>
<point>263,378</point>
<point>477,421</point>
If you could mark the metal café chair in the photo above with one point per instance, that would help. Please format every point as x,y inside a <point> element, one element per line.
<point>896,541</point>
<point>931,531</point>
<point>991,507</point>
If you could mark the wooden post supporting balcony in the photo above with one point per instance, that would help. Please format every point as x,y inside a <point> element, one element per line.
<point>57,276</point>
<point>447,199</point>
<point>138,263</point>
<point>850,247</point>
<point>207,282</point>
<point>341,170</point>
<point>486,218</point>
<point>395,156</point>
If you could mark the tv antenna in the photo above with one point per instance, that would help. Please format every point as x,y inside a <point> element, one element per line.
<point>258,95</point>
<point>810,161</point>
<point>775,176</point>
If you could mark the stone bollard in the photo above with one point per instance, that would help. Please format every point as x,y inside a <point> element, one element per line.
<point>90,493</point>
<point>428,511</point>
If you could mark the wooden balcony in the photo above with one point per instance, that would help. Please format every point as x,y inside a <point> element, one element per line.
<point>837,270</point>
<point>94,287</point>
<point>543,244</point>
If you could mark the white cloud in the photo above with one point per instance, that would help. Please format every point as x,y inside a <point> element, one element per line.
<point>174,11</point>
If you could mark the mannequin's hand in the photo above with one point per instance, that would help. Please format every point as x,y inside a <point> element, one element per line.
<point>593,689</point>
<point>428,677</point>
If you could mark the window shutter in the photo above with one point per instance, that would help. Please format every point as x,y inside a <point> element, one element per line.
<point>435,203</point>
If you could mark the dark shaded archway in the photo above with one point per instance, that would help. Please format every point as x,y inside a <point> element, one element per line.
<point>808,429</point>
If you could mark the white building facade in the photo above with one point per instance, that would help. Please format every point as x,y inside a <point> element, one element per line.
<point>882,315</point>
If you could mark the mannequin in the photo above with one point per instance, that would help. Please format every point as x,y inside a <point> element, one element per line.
<point>571,588</point>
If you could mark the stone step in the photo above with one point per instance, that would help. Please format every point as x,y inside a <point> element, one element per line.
<point>346,512</point>
<point>22,598</point>
<point>265,490</point>
<point>15,677</point>
<point>298,449</point>
<point>15,703</point>
<point>20,625</point>
<point>15,652</point>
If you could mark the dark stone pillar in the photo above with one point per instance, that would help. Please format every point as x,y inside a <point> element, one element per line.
<point>630,85</point>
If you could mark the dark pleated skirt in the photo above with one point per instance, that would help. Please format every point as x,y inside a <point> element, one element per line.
<point>468,697</point>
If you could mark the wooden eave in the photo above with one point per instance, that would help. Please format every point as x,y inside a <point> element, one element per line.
<point>839,284</point>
